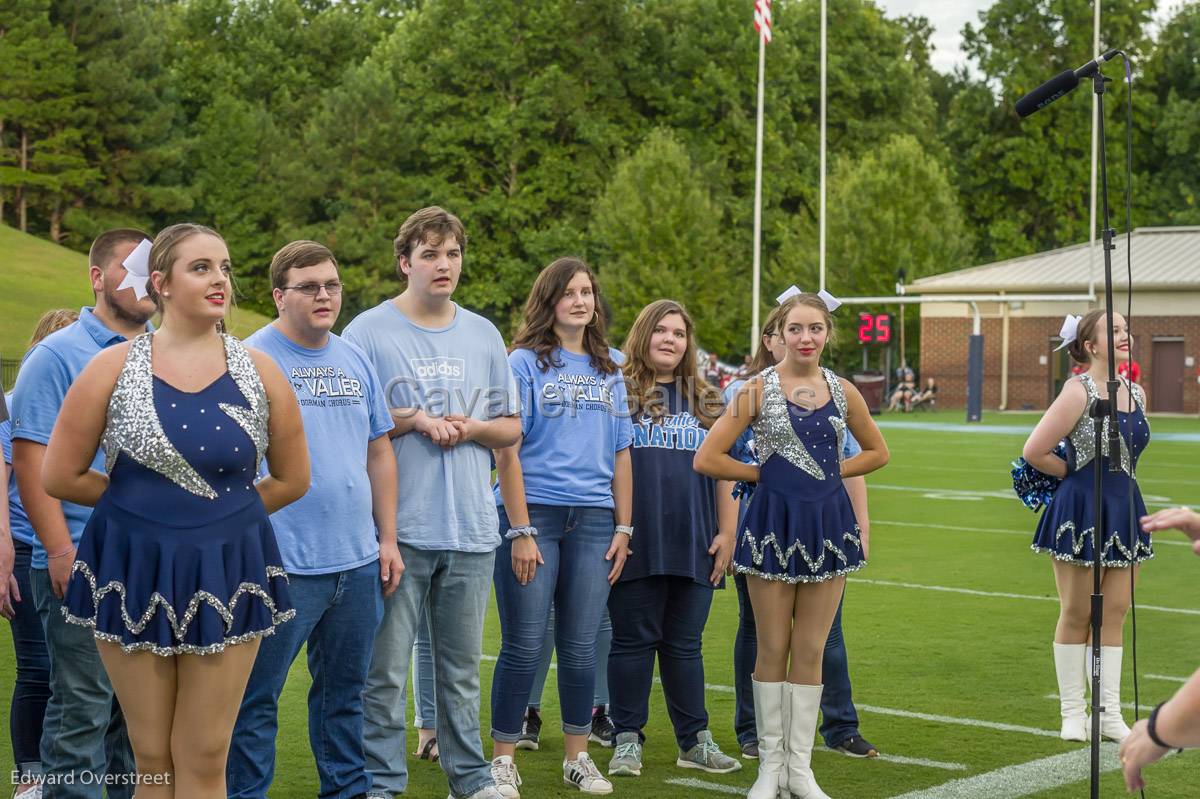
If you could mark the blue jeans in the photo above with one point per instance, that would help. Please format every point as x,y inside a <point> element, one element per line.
<point>574,578</point>
<point>603,644</point>
<point>454,586</point>
<point>422,677</point>
<point>31,691</point>
<point>665,616</point>
<point>839,719</point>
<point>337,615</point>
<point>83,734</point>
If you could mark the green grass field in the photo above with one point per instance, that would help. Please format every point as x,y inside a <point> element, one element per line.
<point>948,631</point>
<point>39,275</point>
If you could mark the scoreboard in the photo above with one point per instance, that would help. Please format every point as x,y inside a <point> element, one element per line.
<point>874,328</point>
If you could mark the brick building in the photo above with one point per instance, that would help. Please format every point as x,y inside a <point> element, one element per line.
<point>1020,304</point>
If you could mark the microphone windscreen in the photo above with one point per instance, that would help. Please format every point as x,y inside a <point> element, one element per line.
<point>1047,93</point>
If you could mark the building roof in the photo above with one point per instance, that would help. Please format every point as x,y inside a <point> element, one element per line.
<point>1163,258</point>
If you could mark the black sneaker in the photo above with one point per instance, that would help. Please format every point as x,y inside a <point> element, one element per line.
<point>602,727</point>
<point>750,750</point>
<point>531,729</point>
<point>857,747</point>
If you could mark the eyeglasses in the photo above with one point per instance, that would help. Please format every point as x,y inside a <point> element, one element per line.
<point>313,289</point>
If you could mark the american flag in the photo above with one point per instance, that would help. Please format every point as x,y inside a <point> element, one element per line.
<point>762,19</point>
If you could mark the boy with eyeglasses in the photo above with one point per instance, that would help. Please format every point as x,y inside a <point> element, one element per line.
<point>338,542</point>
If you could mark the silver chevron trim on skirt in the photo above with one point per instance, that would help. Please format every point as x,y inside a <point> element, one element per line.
<point>179,626</point>
<point>758,552</point>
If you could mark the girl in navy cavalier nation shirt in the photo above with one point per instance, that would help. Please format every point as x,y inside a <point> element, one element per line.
<point>685,524</point>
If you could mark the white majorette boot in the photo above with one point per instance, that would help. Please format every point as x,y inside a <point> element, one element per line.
<point>1112,725</point>
<point>1070,664</point>
<point>769,698</point>
<point>804,701</point>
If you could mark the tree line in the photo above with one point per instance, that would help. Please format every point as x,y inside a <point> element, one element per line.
<point>620,130</point>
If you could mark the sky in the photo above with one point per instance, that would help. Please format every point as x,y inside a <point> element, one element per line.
<point>948,17</point>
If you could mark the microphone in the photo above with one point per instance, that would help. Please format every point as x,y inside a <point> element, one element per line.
<point>1060,84</point>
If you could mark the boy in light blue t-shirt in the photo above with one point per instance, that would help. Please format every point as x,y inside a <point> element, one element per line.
<point>338,541</point>
<point>452,396</point>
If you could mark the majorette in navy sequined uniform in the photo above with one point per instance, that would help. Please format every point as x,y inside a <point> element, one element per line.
<point>179,556</point>
<point>800,526</point>
<point>1066,529</point>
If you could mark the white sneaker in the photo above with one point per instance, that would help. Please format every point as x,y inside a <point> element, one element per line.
<point>583,774</point>
<point>33,791</point>
<point>487,792</point>
<point>506,776</point>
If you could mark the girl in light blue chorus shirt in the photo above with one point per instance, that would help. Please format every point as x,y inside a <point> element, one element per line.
<point>566,496</point>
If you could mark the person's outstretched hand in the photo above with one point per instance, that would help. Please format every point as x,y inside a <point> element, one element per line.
<point>1185,520</point>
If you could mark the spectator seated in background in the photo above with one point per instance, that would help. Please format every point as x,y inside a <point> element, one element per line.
<point>927,398</point>
<point>906,389</point>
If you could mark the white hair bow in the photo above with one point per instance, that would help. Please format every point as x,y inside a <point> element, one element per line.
<point>137,264</point>
<point>1069,331</point>
<point>831,302</point>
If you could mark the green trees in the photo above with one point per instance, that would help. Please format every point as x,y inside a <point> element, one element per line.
<point>1025,183</point>
<point>41,158</point>
<point>657,234</point>
<point>623,132</point>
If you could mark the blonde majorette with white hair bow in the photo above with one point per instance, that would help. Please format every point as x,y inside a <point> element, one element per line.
<point>1069,331</point>
<point>137,264</point>
<point>831,302</point>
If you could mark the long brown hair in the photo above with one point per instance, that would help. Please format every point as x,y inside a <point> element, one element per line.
<point>537,329</point>
<point>704,401</point>
<point>762,356</point>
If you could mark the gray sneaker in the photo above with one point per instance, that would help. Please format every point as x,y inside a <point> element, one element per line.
<point>627,756</point>
<point>707,756</point>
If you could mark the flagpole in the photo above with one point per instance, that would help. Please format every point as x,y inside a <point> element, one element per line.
<point>758,151</point>
<point>1095,145</point>
<point>821,209</point>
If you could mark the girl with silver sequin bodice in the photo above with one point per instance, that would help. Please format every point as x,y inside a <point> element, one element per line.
<point>1066,530</point>
<point>799,536</point>
<point>799,526</point>
<point>179,556</point>
<point>1070,532</point>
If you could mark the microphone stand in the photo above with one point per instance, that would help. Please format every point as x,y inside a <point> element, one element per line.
<point>1105,409</point>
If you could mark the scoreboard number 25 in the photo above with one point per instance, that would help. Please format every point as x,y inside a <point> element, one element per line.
<point>874,328</point>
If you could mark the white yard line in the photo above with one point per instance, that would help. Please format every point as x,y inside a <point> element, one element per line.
<point>1166,678</point>
<point>969,495</point>
<point>1024,779</point>
<point>1000,594</point>
<point>998,530</point>
<point>1145,708</point>
<point>962,722</point>
<point>704,785</point>
<point>905,761</point>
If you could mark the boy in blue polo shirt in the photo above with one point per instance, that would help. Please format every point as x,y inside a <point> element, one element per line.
<point>338,541</point>
<point>83,737</point>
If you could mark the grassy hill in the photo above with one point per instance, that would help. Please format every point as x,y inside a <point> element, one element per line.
<point>37,275</point>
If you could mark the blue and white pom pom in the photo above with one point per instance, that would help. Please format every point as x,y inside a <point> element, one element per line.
<point>743,489</point>
<point>1032,487</point>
